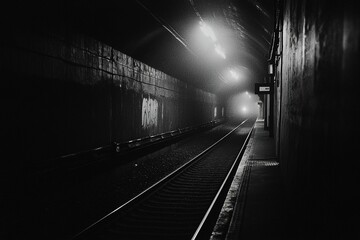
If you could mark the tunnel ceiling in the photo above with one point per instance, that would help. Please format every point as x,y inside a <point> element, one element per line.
<point>166,34</point>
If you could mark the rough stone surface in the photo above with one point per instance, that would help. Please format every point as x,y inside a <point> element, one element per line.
<point>66,92</point>
<point>318,120</point>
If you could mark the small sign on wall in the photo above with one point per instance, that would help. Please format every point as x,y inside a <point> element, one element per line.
<point>263,88</point>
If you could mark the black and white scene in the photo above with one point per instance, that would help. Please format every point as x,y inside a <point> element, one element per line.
<point>180,119</point>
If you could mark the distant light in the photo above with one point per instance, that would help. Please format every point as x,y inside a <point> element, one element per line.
<point>247,92</point>
<point>220,51</point>
<point>244,109</point>
<point>206,29</point>
<point>234,74</point>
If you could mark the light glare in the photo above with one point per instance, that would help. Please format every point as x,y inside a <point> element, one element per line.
<point>208,31</point>
<point>234,74</point>
<point>244,109</point>
<point>220,51</point>
<point>241,104</point>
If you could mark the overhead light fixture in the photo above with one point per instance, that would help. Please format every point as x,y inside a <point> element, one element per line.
<point>207,30</point>
<point>220,51</point>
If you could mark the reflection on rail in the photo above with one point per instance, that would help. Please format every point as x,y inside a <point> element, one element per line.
<point>177,206</point>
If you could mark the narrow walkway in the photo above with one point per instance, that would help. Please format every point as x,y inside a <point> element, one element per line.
<point>253,208</point>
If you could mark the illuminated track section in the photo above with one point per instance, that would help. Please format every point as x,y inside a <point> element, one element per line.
<point>180,204</point>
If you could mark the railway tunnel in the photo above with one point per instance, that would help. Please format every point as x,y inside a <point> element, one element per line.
<point>104,104</point>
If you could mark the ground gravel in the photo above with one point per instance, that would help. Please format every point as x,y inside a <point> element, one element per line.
<point>66,209</point>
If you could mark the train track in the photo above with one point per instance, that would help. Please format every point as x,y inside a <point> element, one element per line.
<point>177,206</point>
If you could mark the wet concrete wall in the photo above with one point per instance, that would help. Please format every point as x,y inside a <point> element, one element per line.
<point>318,117</point>
<point>63,93</point>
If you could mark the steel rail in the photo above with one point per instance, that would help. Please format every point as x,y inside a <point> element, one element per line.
<point>237,159</point>
<point>158,183</point>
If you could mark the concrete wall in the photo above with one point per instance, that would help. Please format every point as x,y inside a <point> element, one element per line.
<point>318,127</point>
<point>63,93</point>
